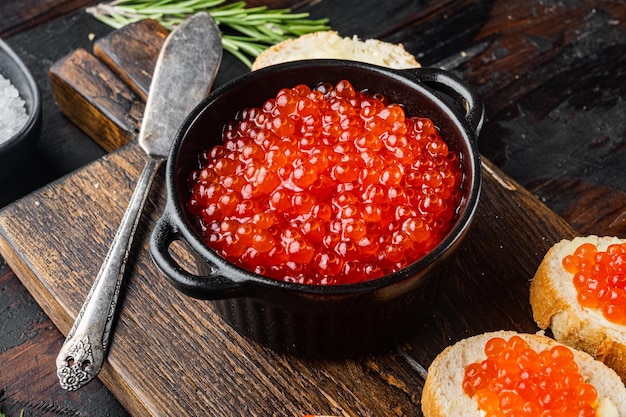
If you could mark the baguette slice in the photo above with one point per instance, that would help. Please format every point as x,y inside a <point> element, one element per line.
<point>554,303</point>
<point>328,44</point>
<point>443,394</point>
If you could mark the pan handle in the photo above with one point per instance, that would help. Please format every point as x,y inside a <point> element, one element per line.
<point>214,285</point>
<point>451,85</point>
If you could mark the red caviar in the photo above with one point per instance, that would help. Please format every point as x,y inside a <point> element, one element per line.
<point>326,186</point>
<point>516,381</point>
<point>600,279</point>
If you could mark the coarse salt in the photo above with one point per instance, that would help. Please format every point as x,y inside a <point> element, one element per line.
<point>13,113</point>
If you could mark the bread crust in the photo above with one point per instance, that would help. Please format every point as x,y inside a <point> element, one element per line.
<point>328,44</point>
<point>443,395</point>
<point>554,306</point>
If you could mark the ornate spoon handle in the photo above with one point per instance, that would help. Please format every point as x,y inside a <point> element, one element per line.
<point>184,72</point>
<point>82,355</point>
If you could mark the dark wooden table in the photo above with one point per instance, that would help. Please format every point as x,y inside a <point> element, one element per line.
<point>552,75</point>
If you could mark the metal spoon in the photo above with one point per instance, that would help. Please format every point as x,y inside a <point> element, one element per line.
<point>184,73</point>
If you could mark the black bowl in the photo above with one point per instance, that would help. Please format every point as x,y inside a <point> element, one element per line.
<point>15,150</point>
<point>330,321</point>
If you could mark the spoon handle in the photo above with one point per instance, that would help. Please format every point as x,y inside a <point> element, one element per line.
<point>82,355</point>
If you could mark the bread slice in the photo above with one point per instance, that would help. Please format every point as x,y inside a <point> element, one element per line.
<point>443,394</point>
<point>554,303</point>
<point>328,44</point>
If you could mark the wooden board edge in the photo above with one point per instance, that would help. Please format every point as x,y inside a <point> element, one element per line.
<point>80,83</point>
<point>510,185</point>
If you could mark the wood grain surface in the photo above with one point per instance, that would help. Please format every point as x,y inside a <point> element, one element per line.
<point>111,123</point>
<point>552,75</point>
<point>131,53</point>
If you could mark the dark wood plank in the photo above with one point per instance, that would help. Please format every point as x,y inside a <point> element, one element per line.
<point>18,16</point>
<point>607,207</point>
<point>554,80</point>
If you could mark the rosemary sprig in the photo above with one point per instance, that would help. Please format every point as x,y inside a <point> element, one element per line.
<point>246,31</point>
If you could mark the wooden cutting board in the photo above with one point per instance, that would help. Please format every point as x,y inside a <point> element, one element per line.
<point>171,355</point>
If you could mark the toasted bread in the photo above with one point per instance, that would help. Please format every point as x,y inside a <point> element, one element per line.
<point>328,44</point>
<point>443,394</point>
<point>554,303</point>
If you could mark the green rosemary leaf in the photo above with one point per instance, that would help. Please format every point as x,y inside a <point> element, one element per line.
<point>256,28</point>
<point>248,47</point>
<point>232,47</point>
<point>109,22</point>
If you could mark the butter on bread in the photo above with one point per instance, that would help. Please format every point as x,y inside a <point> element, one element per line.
<point>443,394</point>
<point>554,303</point>
<point>329,45</point>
